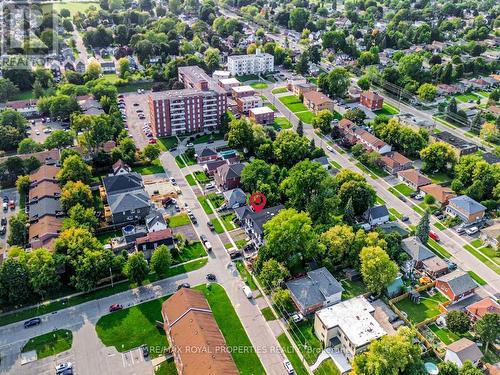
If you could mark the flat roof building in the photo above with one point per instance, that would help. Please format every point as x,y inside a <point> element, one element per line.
<point>250,64</point>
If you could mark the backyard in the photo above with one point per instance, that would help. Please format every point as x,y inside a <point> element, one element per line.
<point>178,220</point>
<point>153,168</point>
<point>352,288</point>
<point>427,308</point>
<point>444,334</point>
<point>281,123</point>
<point>387,110</point>
<point>50,343</point>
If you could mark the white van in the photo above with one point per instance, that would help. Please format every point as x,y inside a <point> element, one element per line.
<point>247,291</point>
<point>472,230</point>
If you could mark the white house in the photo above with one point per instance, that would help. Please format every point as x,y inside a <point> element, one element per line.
<point>155,222</point>
<point>463,350</point>
<point>376,215</point>
<point>250,64</point>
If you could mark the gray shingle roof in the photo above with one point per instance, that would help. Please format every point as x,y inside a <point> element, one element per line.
<point>466,350</point>
<point>128,201</point>
<point>230,170</point>
<point>467,204</point>
<point>122,183</point>
<point>258,219</point>
<point>314,288</point>
<point>377,212</point>
<point>416,249</point>
<point>459,281</point>
<point>236,195</point>
<point>153,218</point>
<point>45,206</point>
<point>207,151</point>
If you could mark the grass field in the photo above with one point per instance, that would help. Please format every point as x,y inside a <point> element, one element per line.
<point>293,103</point>
<point>201,177</point>
<point>105,238</point>
<point>477,243</point>
<point>77,6</point>
<point>217,200</point>
<point>192,251</point>
<point>327,367</point>
<point>280,90</point>
<point>306,340</point>
<point>335,164</point>
<point>166,368</point>
<point>190,179</point>
<point>259,85</point>
<point>129,328</point>
<point>227,221</point>
<point>476,278</point>
<point>167,143</point>
<point>154,168</point>
<point>204,204</point>
<point>387,110</point>
<point>247,361</point>
<point>281,123</point>
<point>352,288</point>
<point>394,213</point>
<point>404,189</point>
<point>23,95</point>
<point>292,355</point>
<point>217,225</point>
<point>464,98</point>
<point>247,77</point>
<point>366,170</point>
<point>133,86</point>
<point>245,275</point>
<point>268,314</point>
<point>444,334</point>
<point>479,255</point>
<point>180,163</point>
<point>427,308</point>
<point>178,220</point>
<point>306,117</point>
<point>206,137</point>
<point>438,248</point>
<point>51,343</point>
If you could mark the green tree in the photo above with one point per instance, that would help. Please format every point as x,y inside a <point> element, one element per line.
<point>448,368</point>
<point>283,300</point>
<point>18,233</point>
<point>377,269</point>
<point>90,268</point>
<point>7,90</point>
<point>300,128</point>
<point>361,194</point>
<point>302,65</point>
<point>81,217</point>
<point>124,67</point>
<point>468,368</point>
<point>137,268</point>
<point>290,148</point>
<point>23,184</point>
<point>74,193</point>
<point>323,121</point>
<point>488,328</point>
<point>273,274</point>
<point>423,227</point>
<point>349,216</point>
<point>342,245</point>
<point>254,173</point>
<point>437,156</point>
<point>42,270</point>
<point>356,115</point>
<point>151,152</point>
<point>298,19</point>
<point>161,260</point>
<point>74,169</point>
<point>335,83</point>
<point>458,321</point>
<point>212,59</point>
<point>15,287</point>
<point>29,146</point>
<point>411,66</point>
<point>364,83</point>
<point>59,139</point>
<point>240,135</point>
<point>427,92</point>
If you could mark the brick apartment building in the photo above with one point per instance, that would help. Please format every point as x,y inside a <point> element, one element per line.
<point>371,100</point>
<point>246,103</point>
<point>194,109</point>
<point>262,115</point>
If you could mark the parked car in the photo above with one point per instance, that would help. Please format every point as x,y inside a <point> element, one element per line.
<point>297,317</point>
<point>210,186</point>
<point>3,229</point>
<point>115,307</point>
<point>12,204</point>
<point>472,230</point>
<point>172,149</point>
<point>184,285</point>
<point>208,245</point>
<point>61,367</point>
<point>434,236</point>
<point>402,198</point>
<point>437,212</point>
<point>152,141</point>
<point>405,218</point>
<point>419,197</point>
<point>203,238</point>
<point>211,277</point>
<point>329,148</point>
<point>190,144</point>
<point>210,141</point>
<point>460,229</point>
<point>288,367</point>
<point>412,195</point>
<point>32,322</point>
<point>4,221</point>
<point>210,226</point>
<point>5,206</point>
<point>145,351</point>
<point>172,180</point>
<point>247,291</point>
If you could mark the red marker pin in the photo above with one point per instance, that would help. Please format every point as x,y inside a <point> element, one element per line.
<point>258,201</point>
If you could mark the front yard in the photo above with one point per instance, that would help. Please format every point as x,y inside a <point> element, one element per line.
<point>192,251</point>
<point>306,340</point>
<point>403,189</point>
<point>51,343</point>
<point>293,103</point>
<point>427,308</point>
<point>352,288</point>
<point>153,168</point>
<point>292,356</point>
<point>387,110</point>
<point>227,221</point>
<point>204,204</point>
<point>178,220</point>
<point>306,117</point>
<point>167,142</point>
<point>245,275</point>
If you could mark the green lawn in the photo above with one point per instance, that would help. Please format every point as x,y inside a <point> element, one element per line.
<point>217,225</point>
<point>477,243</point>
<point>259,85</point>
<point>440,226</point>
<point>129,328</point>
<point>23,95</point>
<point>111,77</point>
<point>280,90</point>
<point>306,117</point>
<point>240,244</point>
<point>352,288</point>
<point>281,123</point>
<point>444,334</point>
<point>190,179</point>
<point>491,253</point>
<point>438,248</point>
<point>306,340</point>
<point>247,361</point>
<point>268,314</point>
<point>427,308</point>
<point>167,142</point>
<point>178,220</point>
<point>201,177</point>
<point>479,255</point>
<point>167,368</point>
<point>154,168</point>
<point>105,238</point>
<point>180,163</point>
<point>192,251</point>
<point>327,367</point>
<point>133,86</point>
<point>335,164</point>
<point>227,221</point>
<point>293,103</point>
<point>387,110</point>
<point>247,77</point>
<point>366,170</point>
<point>77,6</point>
<point>439,178</point>
<point>51,343</point>
<point>464,98</point>
<point>217,200</point>
<point>404,189</point>
<point>245,275</point>
<point>476,278</point>
<point>395,213</point>
<point>206,137</point>
<point>292,356</point>
<point>188,160</point>
<point>204,204</point>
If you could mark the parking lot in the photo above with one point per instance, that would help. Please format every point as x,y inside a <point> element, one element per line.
<point>11,194</point>
<point>134,124</point>
<point>39,131</point>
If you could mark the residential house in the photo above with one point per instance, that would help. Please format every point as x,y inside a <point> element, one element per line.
<point>466,208</point>
<point>348,327</point>
<point>42,232</point>
<point>127,200</point>
<point>44,173</point>
<point>490,235</point>
<point>480,308</point>
<point>211,166</point>
<point>108,67</point>
<point>370,142</point>
<point>371,100</point>
<point>45,188</point>
<point>206,154</point>
<point>489,157</point>
<point>262,115</point>
<point>435,267</point>
<point>376,215</point>
<point>463,350</point>
<point>120,167</point>
<point>80,66</point>
<point>317,101</point>
<point>303,87</point>
<point>234,198</point>
<point>316,290</point>
<point>148,243</point>
<point>47,206</point>
<point>323,160</point>
<point>456,285</point>
<point>413,178</point>
<point>417,251</point>
<point>228,176</point>
<point>440,193</point>
<point>155,221</point>
<point>189,323</point>
<point>446,90</point>
<point>394,162</point>
<point>460,146</point>
<point>27,108</point>
<point>68,65</point>
<point>253,222</point>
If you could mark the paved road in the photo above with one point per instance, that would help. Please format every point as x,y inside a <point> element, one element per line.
<point>452,242</point>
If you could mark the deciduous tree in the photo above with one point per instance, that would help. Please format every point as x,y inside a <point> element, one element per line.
<point>458,321</point>
<point>273,274</point>
<point>161,260</point>
<point>137,268</point>
<point>377,269</point>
